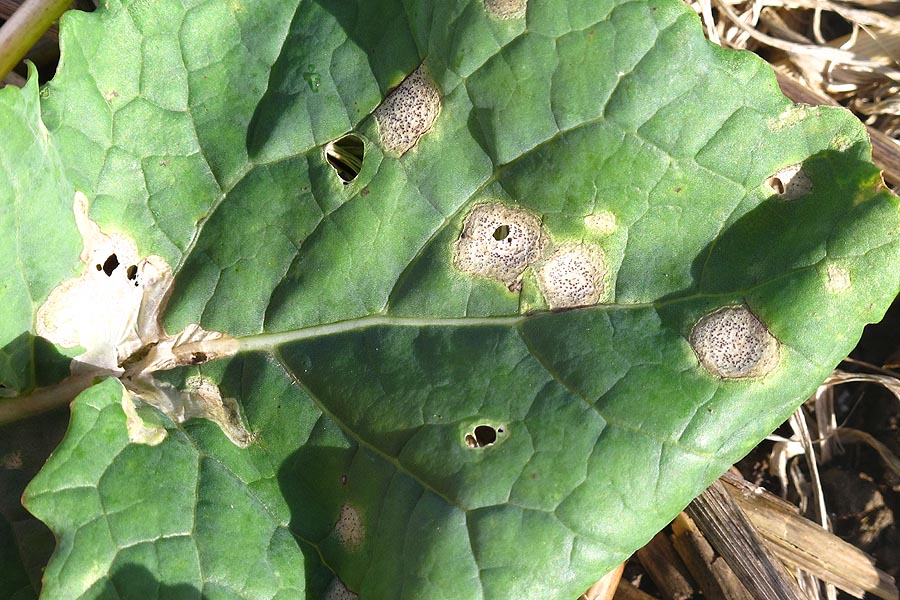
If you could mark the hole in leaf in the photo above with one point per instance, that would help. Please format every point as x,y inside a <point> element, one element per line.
<point>501,233</point>
<point>482,435</point>
<point>110,265</point>
<point>345,155</point>
<point>791,182</point>
<point>485,435</point>
<point>131,272</point>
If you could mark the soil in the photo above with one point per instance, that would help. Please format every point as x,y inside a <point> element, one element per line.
<point>862,494</point>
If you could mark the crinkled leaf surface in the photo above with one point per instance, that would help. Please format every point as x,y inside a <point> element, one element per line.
<point>198,129</point>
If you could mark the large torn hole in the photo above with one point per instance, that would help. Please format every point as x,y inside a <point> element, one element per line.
<point>732,343</point>
<point>573,276</point>
<point>115,315</point>
<point>345,155</point>
<point>506,9</point>
<point>790,183</point>
<point>408,112</point>
<point>499,242</point>
<point>349,529</point>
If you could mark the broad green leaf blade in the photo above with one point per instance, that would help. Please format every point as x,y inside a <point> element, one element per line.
<point>155,521</point>
<point>39,244</point>
<point>420,431</point>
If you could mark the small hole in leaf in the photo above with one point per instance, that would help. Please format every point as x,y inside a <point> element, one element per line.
<point>345,155</point>
<point>471,442</point>
<point>790,182</point>
<point>776,184</point>
<point>501,233</point>
<point>198,358</point>
<point>99,267</point>
<point>131,272</point>
<point>110,265</point>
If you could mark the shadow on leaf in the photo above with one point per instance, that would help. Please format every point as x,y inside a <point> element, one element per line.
<point>29,361</point>
<point>134,582</point>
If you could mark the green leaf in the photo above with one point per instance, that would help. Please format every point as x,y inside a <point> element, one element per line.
<point>173,513</point>
<point>39,244</point>
<point>491,365</point>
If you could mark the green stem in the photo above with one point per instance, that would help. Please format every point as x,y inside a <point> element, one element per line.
<point>270,341</point>
<point>25,28</point>
<point>43,399</point>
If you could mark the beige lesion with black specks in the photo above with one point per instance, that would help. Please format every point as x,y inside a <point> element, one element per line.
<point>499,242</point>
<point>408,112</point>
<point>732,343</point>
<point>573,275</point>
<point>506,9</point>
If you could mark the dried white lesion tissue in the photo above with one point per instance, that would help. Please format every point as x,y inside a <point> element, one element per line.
<point>113,310</point>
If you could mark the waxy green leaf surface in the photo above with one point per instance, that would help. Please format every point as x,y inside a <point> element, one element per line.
<point>370,357</point>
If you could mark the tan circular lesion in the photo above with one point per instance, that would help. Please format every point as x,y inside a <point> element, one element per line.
<point>573,275</point>
<point>499,242</point>
<point>408,112</point>
<point>790,183</point>
<point>506,9</point>
<point>732,343</point>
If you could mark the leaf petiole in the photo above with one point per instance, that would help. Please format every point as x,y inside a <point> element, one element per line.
<point>44,399</point>
<point>25,28</point>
